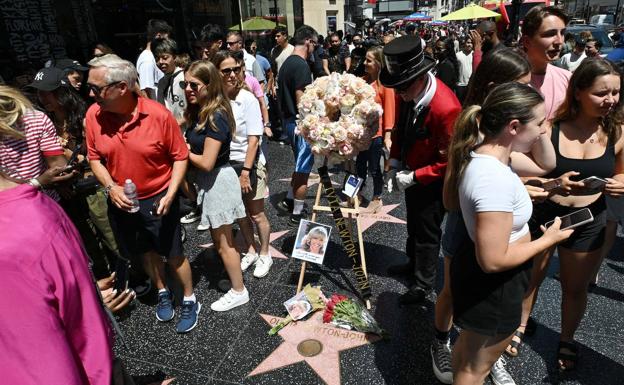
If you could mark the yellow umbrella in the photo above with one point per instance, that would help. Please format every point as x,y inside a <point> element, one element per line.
<point>469,12</point>
<point>256,24</point>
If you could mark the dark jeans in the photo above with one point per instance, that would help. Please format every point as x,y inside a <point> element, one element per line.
<point>424,217</point>
<point>369,160</point>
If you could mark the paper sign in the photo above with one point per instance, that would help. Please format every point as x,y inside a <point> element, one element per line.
<point>311,242</point>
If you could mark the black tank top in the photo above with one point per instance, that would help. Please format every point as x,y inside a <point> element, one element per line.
<point>602,167</point>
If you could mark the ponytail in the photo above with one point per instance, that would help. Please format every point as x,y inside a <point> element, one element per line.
<point>465,138</point>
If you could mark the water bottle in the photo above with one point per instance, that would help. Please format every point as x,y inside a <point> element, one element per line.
<point>130,191</point>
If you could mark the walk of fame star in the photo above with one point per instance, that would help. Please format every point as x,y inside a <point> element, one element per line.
<point>368,219</point>
<point>326,362</point>
<point>312,180</point>
<point>239,243</point>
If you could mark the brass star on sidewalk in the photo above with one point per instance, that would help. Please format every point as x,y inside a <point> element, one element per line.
<point>326,341</point>
<point>239,243</point>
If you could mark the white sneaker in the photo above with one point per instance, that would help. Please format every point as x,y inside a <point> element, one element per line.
<point>201,227</point>
<point>230,300</point>
<point>263,265</point>
<point>191,217</point>
<point>248,260</point>
<point>500,375</point>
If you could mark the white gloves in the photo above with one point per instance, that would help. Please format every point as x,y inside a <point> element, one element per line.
<point>404,179</point>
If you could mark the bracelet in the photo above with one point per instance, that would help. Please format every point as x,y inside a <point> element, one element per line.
<point>108,188</point>
<point>246,169</point>
<point>35,183</point>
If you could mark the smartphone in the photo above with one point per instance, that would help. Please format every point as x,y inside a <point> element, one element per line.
<point>551,184</point>
<point>594,183</point>
<point>122,267</point>
<point>574,219</point>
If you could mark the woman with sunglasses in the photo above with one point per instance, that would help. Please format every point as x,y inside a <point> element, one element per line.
<point>210,131</point>
<point>248,161</point>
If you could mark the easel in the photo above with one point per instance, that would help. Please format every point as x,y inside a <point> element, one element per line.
<point>351,214</point>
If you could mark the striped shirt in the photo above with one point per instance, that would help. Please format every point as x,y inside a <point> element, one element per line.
<point>25,158</point>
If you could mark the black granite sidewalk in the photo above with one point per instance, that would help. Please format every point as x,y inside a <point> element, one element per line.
<point>225,348</point>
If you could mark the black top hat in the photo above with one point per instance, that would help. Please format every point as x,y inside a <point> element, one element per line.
<point>49,79</point>
<point>69,64</point>
<point>405,61</point>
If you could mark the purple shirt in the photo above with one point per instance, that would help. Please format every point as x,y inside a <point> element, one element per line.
<point>53,329</point>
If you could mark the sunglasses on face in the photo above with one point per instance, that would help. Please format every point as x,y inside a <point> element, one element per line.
<point>194,86</point>
<point>97,90</point>
<point>233,42</point>
<point>228,71</point>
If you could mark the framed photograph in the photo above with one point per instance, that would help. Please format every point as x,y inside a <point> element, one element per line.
<point>298,306</point>
<point>352,185</point>
<point>311,242</point>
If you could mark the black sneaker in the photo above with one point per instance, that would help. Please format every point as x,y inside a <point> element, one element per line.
<point>286,205</point>
<point>441,361</point>
<point>414,295</point>
<point>143,288</point>
<point>296,218</point>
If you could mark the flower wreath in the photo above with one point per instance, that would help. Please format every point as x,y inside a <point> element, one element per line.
<point>338,115</point>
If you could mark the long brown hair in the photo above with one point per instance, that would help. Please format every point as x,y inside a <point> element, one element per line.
<point>505,103</point>
<point>211,97</point>
<point>583,78</point>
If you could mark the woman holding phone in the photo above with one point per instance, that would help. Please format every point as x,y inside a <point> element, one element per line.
<point>489,272</point>
<point>587,137</point>
<point>211,127</point>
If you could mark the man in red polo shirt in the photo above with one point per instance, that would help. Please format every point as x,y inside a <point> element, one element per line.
<point>130,137</point>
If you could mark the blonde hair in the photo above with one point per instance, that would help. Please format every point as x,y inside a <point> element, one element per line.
<point>505,103</point>
<point>212,98</point>
<point>13,106</point>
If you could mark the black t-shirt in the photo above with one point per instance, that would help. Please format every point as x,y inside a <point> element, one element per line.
<point>293,75</point>
<point>197,138</point>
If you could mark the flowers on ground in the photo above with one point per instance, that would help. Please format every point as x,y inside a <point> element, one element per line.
<point>347,313</point>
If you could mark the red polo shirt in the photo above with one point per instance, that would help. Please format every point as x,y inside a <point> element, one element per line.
<point>142,149</point>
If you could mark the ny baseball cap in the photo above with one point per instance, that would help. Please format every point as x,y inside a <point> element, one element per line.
<point>70,64</point>
<point>49,79</point>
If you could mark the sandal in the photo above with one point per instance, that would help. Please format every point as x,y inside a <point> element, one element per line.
<point>515,345</point>
<point>569,354</point>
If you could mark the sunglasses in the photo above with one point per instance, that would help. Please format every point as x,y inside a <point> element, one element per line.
<point>228,71</point>
<point>232,42</point>
<point>194,86</point>
<point>97,90</point>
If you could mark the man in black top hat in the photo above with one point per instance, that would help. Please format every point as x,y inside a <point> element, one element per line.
<point>418,155</point>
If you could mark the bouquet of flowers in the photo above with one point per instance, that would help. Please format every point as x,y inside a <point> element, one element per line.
<point>346,313</point>
<point>314,296</point>
<point>338,115</point>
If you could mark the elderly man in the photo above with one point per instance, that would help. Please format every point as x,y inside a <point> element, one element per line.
<point>133,138</point>
<point>234,43</point>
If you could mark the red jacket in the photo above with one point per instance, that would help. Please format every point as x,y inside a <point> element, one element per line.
<point>428,156</point>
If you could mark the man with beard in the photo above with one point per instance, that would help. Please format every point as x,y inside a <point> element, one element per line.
<point>485,40</point>
<point>337,58</point>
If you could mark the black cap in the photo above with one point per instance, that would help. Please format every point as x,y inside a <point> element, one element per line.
<point>404,61</point>
<point>70,64</point>
<point>49,79</point>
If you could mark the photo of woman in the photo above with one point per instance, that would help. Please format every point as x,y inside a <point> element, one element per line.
<point>311,242</point>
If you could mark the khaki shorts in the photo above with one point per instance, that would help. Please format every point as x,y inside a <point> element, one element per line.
<point>262,184</point>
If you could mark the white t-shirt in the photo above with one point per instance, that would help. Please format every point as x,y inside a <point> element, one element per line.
<point>572,60</point>
<point>489,185</point>
<point>283,56</point>
<point>252,67</point>
<point>149,74</point>
<point>246,110</point>
<point>465,67</point>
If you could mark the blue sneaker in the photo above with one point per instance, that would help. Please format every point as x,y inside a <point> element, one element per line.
<point>188,316</point>
<point>164,309</point>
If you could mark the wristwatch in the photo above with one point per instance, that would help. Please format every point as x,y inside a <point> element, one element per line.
<point>267,124</point>
<point>108,188</point>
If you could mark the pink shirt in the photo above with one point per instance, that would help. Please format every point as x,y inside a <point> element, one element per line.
<point>254,86</point>
<point>553,85</point>
<point>53,329</point>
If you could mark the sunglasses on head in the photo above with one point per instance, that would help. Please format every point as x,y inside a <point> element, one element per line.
<point>228,71</point>
<point>194,86</point>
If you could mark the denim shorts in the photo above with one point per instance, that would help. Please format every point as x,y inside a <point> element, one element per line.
<point>454,233</point>
<point>304,159</point>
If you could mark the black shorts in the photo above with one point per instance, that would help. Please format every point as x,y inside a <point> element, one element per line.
<point>486,303</point>
<point>587,237</point>
<point>140,232</point>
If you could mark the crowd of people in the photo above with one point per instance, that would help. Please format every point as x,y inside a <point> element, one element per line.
<point>498,135</point>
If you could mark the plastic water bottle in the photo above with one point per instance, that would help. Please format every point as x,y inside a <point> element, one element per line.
<point>130,191</point>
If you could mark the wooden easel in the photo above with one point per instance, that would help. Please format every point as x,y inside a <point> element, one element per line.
<point>351,214</point>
